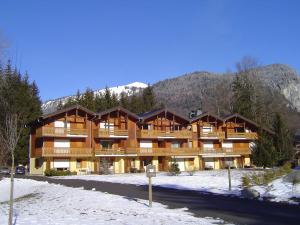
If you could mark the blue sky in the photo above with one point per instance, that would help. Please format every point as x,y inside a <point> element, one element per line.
<point>70,45</point>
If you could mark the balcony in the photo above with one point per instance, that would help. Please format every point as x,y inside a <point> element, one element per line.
<point>225,151</point>
<point>66,152</point>
<point>212,135</point>
<point>109,151</point>
<point>163,151</point>
<point>114,133</point>
<point>184,134</point>
<point>242,135</point>
<point>60,132</point>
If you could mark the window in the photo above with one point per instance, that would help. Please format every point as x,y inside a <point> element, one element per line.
<point>175,144</point>
<point>78,163</point>
<point>207,129</point>
<point>38,162</point>
<point>106,144</point>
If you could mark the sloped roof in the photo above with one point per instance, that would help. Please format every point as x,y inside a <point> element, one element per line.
<point>152,113</point>
<point>247,120</point>
<point>206,114</point>
<point>118,108</point>
<point>68,109</point>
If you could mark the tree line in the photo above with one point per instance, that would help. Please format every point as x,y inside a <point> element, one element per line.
<point>139,101</point>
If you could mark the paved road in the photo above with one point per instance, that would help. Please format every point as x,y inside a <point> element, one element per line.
<point>230,209</point>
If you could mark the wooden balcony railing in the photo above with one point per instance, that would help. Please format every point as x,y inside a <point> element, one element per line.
<point>60,132</point>
<point>163,151</point>
<point>160,133</point>
<point>110,151</point>
<point>213,134</point>
<point>226,151</point>
<point>243,135</point>
<point>66,152</point>
<point>109,132</point>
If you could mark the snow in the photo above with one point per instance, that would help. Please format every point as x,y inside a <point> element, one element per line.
<point>279,191</point>
<point>213,181</point>
<point>44,203</point>
<point>51,105</point>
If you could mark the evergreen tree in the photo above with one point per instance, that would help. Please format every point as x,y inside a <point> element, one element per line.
<point>263,153</point>
<point>282,140</point>
<point>107,99</point>
<point>87,100</point>
<point>243,95</point>
<point>18,95</point>
<point>114,100</point>
<point>148,99</point>
<point>124,100</point>
<point>99,102</point>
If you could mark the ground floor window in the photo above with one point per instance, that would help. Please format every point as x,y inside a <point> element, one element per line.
<point>78,163</point>
<point>61,164</point>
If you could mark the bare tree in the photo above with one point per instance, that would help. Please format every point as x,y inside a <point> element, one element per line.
<point>9,136</point>
<point>10,132</point>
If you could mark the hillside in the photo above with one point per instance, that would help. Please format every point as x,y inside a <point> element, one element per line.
<point>212,92</point>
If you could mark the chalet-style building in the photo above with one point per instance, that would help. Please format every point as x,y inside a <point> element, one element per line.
<point>119,141</point>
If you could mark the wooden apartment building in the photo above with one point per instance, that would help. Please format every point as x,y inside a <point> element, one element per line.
<point>119,141</point>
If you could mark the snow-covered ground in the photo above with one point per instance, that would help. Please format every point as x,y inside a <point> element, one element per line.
<point>280,191</point>
<point>212,181</point>
<point>43,203</point>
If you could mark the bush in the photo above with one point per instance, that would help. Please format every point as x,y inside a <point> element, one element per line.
<point>246,181</point>
<point>266,177</point>
<point>53,172</point>
<point>174,169</point>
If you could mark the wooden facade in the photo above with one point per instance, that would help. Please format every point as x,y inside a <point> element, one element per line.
<point>80,140</point>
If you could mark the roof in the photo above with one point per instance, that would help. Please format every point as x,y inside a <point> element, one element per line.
<point>118,108</point>
<point>45,116</point>
<point>206,114</point>
<point>149,114</point>
<point>248,120</point>
<point>66,110</point>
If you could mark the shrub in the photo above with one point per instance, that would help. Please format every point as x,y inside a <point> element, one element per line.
<point>53,172</point>
<point>246,181</point>
<point>266,177</point>
<point>174,169</point>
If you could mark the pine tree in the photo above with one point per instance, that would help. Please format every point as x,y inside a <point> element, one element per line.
<point>124,100</point>
<point>148,99</point>
<point>282,140</point>
<point>263,153</point>
<point>243,95</point>
<point>99,102</point>
<point>19,96</point>
<point>107,99</point>
<point>87,100</point>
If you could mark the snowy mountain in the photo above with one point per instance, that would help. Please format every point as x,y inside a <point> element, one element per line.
<point>51,105</point>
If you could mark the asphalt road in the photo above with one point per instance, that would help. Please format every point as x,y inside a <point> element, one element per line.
<point>231,209</point>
